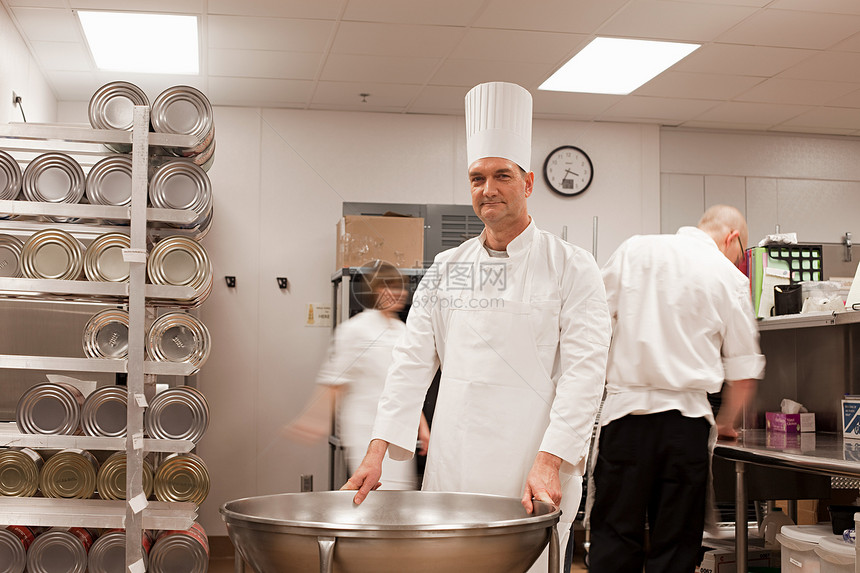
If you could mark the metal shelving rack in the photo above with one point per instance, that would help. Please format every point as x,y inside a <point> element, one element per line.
<point>136,513</point>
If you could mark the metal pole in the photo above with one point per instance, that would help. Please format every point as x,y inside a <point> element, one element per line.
<point>740,517</point>
<point>554,553</point>
<point>136,327</point>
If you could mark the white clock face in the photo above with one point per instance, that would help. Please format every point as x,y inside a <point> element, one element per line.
<point>568,170</point>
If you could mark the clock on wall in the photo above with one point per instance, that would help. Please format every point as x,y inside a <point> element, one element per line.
<point>568,170</point>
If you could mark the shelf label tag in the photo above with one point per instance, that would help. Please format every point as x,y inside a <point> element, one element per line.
<point>137,567</point>
<point>134,255</point>
<point>137,441</point>
<point>138,503</point>
<point>140,400</point>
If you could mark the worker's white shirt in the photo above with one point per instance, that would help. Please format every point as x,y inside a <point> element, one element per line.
<point>359,359</point>
<point>682,323</point>
<point>522,342</point>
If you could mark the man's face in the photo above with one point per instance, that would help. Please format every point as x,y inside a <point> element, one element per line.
<point>499,190</point>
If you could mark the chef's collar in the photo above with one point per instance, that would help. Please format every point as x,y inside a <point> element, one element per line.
<point>698,234</point>
<point>520,243</point>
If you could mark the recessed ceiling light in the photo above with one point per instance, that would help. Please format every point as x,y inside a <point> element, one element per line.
<point>148,43</point>
<point>616,65</point>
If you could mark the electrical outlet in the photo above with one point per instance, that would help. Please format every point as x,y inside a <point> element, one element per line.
<point>14,98</point>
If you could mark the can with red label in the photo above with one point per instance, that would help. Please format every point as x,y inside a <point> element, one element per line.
<point>189,547</point>
<point>107,554</point>
<point>68,546</point>
<point>14,542</point>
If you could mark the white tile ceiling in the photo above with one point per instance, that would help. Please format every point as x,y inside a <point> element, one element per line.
<point>781,65</point>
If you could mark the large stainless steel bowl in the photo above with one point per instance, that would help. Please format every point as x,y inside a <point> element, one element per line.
<point>391,532</point>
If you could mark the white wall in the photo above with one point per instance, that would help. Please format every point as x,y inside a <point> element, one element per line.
<point>19,72</point>
<point>803,183</point>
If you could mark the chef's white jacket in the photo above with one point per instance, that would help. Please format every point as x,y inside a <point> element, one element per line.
<point>358,361</point>
<point>557,289</point>
<point>682,323</point>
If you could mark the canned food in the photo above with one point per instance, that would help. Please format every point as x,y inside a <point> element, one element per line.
<point>69,474</point>
<point>103,260</point>
<point>182,477</point>
<point>49,408</point>
<point>179,413</point>
<point>190,547</point>
<point>54,177</point>
<point>180,184</point>
<point>66,548</point>
<point>19,472</point>
<point>110,480</point>
<point>178,337</point>
<point>106,334</point>
<point>52,254</point>
<point>109,181</point>
<point>112,107</point>
<point>179,261</point>
<point>107,555</point>
<point>10,177</point>
<point>105,412</point>
<point>10,256</point>
<point>14,542</point>
<point>186,111</point>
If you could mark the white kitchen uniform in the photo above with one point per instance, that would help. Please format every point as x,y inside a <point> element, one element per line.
<point>359,360</point>
<point>522,342</point>
<point>693,307</point>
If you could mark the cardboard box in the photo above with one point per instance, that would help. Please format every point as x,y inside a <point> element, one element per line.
<point>723,560</point>
<point>362,239</point>
<point>851,417</point>
<point>790,423</point>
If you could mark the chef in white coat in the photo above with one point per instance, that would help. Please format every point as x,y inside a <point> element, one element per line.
<point>356,368</point>
<point>517,319</point>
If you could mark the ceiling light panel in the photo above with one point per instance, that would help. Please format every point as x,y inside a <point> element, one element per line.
<point>616,65</point>
<point>137,42</point>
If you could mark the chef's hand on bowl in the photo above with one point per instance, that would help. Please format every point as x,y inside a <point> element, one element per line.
<point>543,483</point>
<point>366,477</point>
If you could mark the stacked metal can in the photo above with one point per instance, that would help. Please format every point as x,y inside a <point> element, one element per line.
<point>185,110</point>
<point>110,481</point>
<point>107,555</point>
<point>19,472</point>
<point>69,474</point>
<point>15,540</point>
<point>189,547</point>
<point>103,260</point>
<point>178,337</point>
<point>65,546</point>
<point>54,177</point>
<point>182,477</point>
<point>10,256</point>
<point>52,254</point>
<point>49,408</point>
<point>104,412</point>
<point>179,413</point>
<point>106,334</point>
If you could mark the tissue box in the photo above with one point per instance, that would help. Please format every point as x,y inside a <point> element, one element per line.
<point>851,417</point>
<point>792,423</point>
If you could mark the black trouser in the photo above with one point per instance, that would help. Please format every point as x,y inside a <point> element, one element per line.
<point>652,467</point>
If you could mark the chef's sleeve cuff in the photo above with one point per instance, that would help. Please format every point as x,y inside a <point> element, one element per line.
<point>744,367</point>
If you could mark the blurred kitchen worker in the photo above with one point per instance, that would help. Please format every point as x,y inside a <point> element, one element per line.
<point>517,319</point>
<point>682,323</point>
<point>354,374</point>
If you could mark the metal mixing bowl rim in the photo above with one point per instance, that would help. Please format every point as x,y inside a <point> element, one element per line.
<point>231,517</point>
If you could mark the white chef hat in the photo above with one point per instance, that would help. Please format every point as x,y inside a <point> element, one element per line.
<point>499,123</point>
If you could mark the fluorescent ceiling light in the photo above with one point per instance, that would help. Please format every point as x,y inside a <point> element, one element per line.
<point>148,43</point>
<point>616,65</point>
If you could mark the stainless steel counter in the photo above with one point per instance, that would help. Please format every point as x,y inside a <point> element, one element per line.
<point>819,453</point>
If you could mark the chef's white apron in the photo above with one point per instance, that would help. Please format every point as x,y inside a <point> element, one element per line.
<point>493,404</point>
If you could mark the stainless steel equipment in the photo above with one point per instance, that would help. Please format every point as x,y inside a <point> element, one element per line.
<point>390,532</point>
